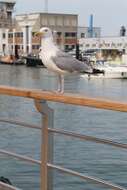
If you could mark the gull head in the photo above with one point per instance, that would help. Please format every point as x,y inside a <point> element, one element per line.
<point>44,32</point>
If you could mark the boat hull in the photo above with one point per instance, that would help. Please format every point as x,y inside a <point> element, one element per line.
<point>110,73</point>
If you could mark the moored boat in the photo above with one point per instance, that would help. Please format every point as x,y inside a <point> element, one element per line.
<point>109,71</point>
<point>32,61</point>
<point>10,60</point>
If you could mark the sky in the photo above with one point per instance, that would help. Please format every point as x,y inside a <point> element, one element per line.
<point>110,15</point>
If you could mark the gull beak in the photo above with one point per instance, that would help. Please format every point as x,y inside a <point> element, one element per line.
<point>38,34</point>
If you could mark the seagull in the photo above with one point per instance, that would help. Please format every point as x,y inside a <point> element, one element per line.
<point>58,61</point>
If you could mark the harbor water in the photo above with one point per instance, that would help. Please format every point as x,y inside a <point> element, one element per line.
<point>97,160</point>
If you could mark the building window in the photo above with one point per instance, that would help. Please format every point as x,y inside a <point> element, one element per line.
<point>67,34</point>
<point>82,35</point>
<point>9,15</point>
<point>70,34</point>
<point>73,34</point>
<point>35,47</point>
<point>10,35</point>
<point>4,35</point>
<point>18,46</point>
<point>19,34</point>
<point>87,45</point>
<point>119,44</point>
<point>59,34</point>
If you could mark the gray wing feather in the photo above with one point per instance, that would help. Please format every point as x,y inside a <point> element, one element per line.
<point>66,62</point>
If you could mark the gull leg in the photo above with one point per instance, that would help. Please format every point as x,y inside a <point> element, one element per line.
<point>60,84</point>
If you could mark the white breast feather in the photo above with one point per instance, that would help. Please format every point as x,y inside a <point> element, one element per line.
<point>48,51</point>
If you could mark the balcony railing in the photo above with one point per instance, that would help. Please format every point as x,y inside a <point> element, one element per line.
<point>40,97</point>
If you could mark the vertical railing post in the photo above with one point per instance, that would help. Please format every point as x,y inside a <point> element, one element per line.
<point>46,145</point>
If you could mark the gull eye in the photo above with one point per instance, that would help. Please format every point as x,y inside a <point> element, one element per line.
<point>46,30</point>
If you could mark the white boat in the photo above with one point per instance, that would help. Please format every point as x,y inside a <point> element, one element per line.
<point>109,71</point>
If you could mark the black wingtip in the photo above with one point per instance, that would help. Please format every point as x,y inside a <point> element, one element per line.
<point>97,71</point>
<point>5,180</point>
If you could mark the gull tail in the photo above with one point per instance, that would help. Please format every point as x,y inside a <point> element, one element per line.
<point>91,69</point>
<point>93,72</point>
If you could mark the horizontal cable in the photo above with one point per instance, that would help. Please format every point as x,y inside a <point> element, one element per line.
<point>88,178</point>
<point>20,123</point>
<point>5,186</point>
<point>88,138</point>
<point>18,156</point>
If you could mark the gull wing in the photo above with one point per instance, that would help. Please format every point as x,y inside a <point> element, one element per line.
<point>68,63</point>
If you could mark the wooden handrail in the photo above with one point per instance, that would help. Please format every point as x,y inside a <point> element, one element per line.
<point>64,98</point>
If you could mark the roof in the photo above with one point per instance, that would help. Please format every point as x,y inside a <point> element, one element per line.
<point>44,13</point>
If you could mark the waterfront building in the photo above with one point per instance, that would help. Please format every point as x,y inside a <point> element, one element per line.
<point>6,10</point>
<point>26,25</point>
<point>65,26</point>
<point>110,47</point>
<point>17,34</point>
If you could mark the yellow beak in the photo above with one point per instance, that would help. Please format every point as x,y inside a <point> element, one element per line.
<point>38,34</point>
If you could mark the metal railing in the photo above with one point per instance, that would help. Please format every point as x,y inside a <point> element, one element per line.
<point>46,162</point>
